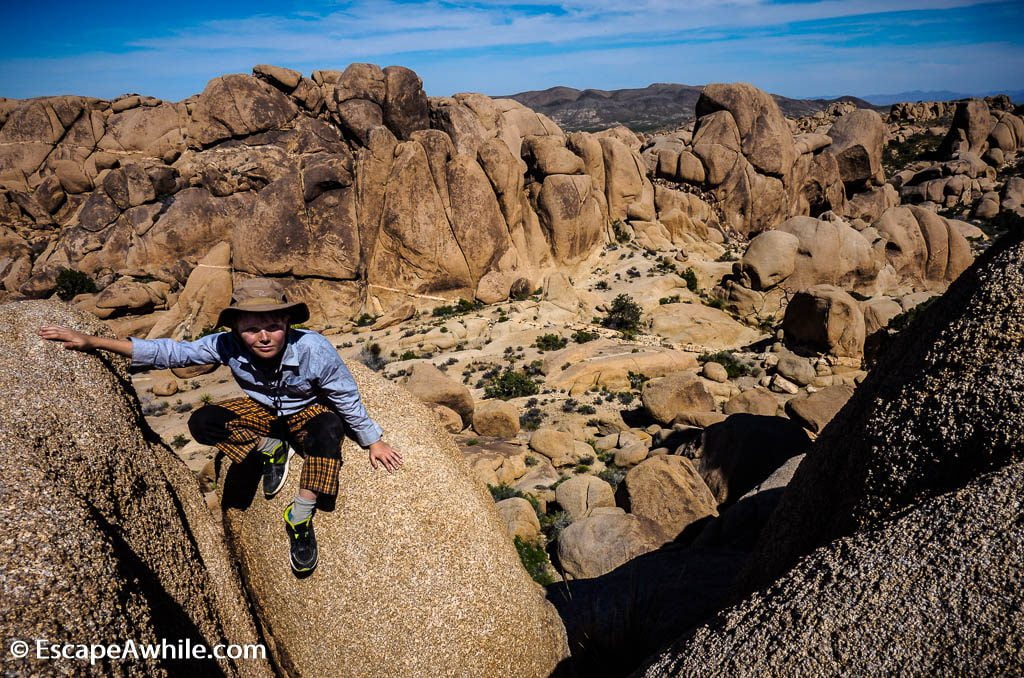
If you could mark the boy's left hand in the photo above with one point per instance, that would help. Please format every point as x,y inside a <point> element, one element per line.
<point>386,455</point>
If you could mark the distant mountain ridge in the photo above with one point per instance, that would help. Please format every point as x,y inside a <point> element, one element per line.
<point>659,106</point>
<point>938,95</point>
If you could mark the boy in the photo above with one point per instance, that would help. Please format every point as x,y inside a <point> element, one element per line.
<point>295,384</point>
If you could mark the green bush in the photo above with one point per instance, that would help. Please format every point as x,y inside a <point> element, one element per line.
<point>552,524</point>
<point>637,380</point>
<point>71,283</point>
<point>531,419</point>
<point>674,299</point>
<point>535,560</point>
<point>365,319</point>
<point>179,442</point>
<point>550,342</point>
<point>583,336</point>
<point>408,355</point>
<point>459,308</point>
<point>623,315</point>
<point>726,359</point>
<point>612,475</point>
<point>690,276</point>
<point>619,229</point>
<point>510,384</point>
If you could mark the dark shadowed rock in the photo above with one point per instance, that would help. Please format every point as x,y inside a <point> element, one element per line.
<point>743,450</point>
<point>934,591</point>
<point>945,402</point>
<point>103,533</point>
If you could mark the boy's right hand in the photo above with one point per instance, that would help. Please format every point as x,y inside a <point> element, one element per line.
<point>70,338</point>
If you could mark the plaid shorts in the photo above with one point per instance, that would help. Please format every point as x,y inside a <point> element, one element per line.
<point>235,427</point>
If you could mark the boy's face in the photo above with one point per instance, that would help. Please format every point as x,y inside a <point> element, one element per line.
<point>262,333</point>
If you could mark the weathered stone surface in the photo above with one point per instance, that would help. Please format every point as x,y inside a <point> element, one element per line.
<point>121,544</point>
<point>857,141</point>
<point>814,411</point>
<point>604,540</point>
<point>554,444</point>
<point>825,319</point>
<point>495,417</point>
<point>753,401</point>
<point>431,385</point>
<point>237,105</point>
<point>710,328</point>
<point>579,495</point>
<point>668,397</point>
<point>494,621</point>
<point>878,600</point>
<point>520,518</point>
<point>668,490</point>
<point>922,246</point>
<point>766,139</point>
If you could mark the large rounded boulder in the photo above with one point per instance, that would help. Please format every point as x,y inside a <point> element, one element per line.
<point>417,575</point>
<point>104,535</point>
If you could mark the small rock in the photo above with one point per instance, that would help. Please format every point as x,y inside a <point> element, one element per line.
<point>715,372</point>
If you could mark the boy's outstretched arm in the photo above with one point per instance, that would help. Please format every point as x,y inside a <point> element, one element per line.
<point>79,341</point>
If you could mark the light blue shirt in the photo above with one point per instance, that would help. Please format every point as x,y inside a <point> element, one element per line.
<point>310,371</point>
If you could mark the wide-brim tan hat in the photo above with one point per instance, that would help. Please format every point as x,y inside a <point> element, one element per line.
<point>262,295</point>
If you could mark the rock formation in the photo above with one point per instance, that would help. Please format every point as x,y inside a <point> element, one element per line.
<point>105,537</point>
<point>416,573</point>
<point>902,525</point>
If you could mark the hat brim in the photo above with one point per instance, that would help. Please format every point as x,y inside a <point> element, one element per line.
<point>297,312</point>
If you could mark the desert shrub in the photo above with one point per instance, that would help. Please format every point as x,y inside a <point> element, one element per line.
<point>531,460</point>
<point>535,559</point>
<point>612,475</point>
<point>726,359</point>
<point>920,146</point>
<point>620,231</point>
<point>531,419</point>
<point>623,315</point>
<point>583,336</point>
<point>510,384</point>
<point>71,283</point>
<point>665,265</point>
<point>552,524</point>
<point>461,307</point>
<point>206,399</point>
<point>690,276</point>
<point>626,397</point>
<point>179,441</point>
<point>408,355</point>
<point>581,468</point>
<point>550,342</point>
<point>181,408</point>
<point>365,319</point>
<point>586,409</point>
<point>674,299</point>
<point>637,380</point>
<point>370,356</point>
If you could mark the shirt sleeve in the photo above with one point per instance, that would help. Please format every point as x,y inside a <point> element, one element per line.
<point>164,353</point>
<point>340,389</point>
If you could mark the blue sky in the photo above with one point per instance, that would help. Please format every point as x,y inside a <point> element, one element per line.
<point>793,47</point>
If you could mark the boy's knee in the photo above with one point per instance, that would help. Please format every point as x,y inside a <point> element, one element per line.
<point>207,424</point>
<point>326,432</point>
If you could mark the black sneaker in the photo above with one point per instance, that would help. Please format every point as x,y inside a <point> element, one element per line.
<point>275,469</point>
<point>302,541</point>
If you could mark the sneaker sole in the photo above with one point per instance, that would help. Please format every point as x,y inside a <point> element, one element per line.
<point>287,465</point>
<point>305,569</point>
